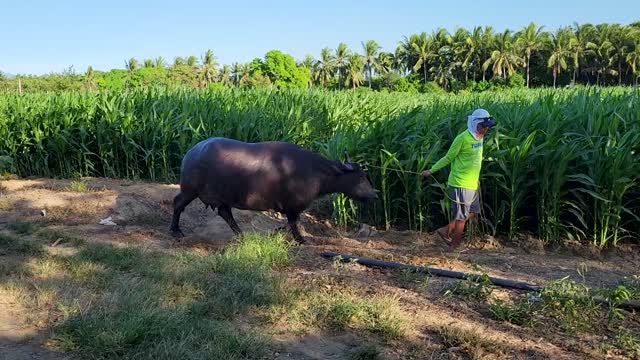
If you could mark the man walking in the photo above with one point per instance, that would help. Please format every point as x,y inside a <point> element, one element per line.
<point>465,157</point>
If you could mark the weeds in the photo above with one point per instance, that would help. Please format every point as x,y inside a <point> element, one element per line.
<point>477,287</point>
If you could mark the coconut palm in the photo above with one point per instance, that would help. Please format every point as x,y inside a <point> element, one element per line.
<point>560,51</point>
<point>600,51</point>
<point>326,66</point>
<point>504,59</point>
<point>225,75</point>
<point>342,54</point>
<point>192,61</point>
<point>208,71</point>
<point>131,65</point>
<point>424,49</point>
<point>159,62</point>
<point>310,64</point>
<point>370,49</point>
<point>633,59</point>
<point>89,78</point>
<point>487,45</point>
<point>177,61</point>
<point>578,46</point>
<point>354,70</point>
<point>529,41</point>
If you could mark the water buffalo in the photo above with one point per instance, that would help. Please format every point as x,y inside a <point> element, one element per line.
<point>225,173</point>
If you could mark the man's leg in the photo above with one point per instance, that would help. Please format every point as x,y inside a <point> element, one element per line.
<point>466,205</point>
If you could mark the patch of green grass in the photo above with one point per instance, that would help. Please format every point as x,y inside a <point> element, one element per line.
<point>18,245</point>
<point>570,304</point>
<point>628,342</point>
<point>22,227</point>
<point>340,310</point>
<point>124,302</point>
<point>521,313</point>
<point>60,237</point>
<point>470,342</point>
<point>421,280</point>
<point>477,287</point>
<point>79,186</point>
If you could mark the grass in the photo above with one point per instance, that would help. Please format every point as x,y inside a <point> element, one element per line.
<point>520,313</point>
<point>471,342</point>
<point>11,244</point>
<point>107,301</point>
<point>561,163</point>
<point>79,186</point>
<point>337,310</point>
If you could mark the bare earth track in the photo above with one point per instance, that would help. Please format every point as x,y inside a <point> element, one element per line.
<point>142,212</point>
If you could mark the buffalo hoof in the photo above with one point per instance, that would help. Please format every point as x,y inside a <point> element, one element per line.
<point>177,233</point>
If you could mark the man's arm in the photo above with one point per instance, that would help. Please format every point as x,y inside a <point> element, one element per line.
<point>450,155</point>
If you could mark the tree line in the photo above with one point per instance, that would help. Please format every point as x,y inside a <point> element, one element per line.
<point>473,60</point>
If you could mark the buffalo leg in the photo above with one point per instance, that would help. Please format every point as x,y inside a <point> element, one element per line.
<point>292,222</point>
<point>225,212</point>
<point>179,203</point>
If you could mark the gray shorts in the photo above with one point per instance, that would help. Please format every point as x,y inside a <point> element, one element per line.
<point>463,202</point>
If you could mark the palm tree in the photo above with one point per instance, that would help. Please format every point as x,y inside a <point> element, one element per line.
<point>385,62</point>
<point>633,59</point>
<point>245,73</point>
<point>236,71</point>
<point>90,78</point>
<point>148,63</point>
<point>399,64</point>
<point>470,52</point>
<point>578,46</point>
<point>619,38</point>
<point>406,53</point>
<point>311,64</point>
<point>354,70</point>
<point>325,66</point>
<point>342,54</point>
<point>225,75</point>
<point>458,47</point>
<point>601,52</point>
<point>560,44</point>
<point>192,61</point>
<point>424,48</point>
<point>131,64</point>
<point>487,45</point>
<point>530,40</point>
<point>177,61</point>
<point>503,59</point>
<point>159,62</point>
<point>442,73</point>
<point>208,71</point>
<point>370,49</point>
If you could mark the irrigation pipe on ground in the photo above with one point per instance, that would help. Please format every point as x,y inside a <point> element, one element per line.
<point>632,304</point>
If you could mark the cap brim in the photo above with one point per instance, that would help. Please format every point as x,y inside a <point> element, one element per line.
<point>488,123</point>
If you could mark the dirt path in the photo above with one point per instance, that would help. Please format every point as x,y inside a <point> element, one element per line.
<point>142,212</point>
<point>20,342</point>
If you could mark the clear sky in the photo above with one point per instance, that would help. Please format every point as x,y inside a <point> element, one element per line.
<point>42,36</point>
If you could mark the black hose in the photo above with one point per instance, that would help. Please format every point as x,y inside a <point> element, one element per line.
<point>433,271</point>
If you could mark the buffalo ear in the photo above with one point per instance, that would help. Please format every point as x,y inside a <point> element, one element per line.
<point>347,157</point>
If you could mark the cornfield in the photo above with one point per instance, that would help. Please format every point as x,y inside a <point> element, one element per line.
<point>559,164</point>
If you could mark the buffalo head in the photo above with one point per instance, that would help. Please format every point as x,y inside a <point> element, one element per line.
<point>354,183</point>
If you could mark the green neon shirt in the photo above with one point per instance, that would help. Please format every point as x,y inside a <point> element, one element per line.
<point>465,157</point>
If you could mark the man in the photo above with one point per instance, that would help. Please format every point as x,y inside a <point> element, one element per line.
<point>465,157</point>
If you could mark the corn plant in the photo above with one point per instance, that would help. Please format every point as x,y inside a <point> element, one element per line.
<point>562,163</point>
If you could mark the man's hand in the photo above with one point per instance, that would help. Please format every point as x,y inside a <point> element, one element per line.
<point>426,173</point>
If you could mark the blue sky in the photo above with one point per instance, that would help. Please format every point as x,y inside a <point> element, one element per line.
<point>45,36</point>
